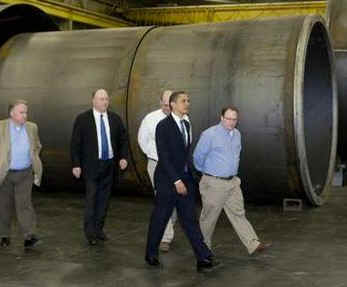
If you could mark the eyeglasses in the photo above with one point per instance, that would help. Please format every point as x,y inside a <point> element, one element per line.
<point>230,119</point>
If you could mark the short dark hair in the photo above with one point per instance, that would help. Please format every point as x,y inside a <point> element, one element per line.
<point>16,103</point>
<point>231,108</point>
<point>174,96</point>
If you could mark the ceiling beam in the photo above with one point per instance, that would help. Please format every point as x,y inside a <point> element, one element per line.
<point>221,13</point>
<point>73,13</point>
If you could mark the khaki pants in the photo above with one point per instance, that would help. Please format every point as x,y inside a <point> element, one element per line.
<point>15,195</point>
<point>169,230</point>
<point>218,194</point>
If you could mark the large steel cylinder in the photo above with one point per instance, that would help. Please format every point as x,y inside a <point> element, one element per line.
<point>280,73</point>
<point>57,72</point>
<point>20,18</point>
<point>337,20</point>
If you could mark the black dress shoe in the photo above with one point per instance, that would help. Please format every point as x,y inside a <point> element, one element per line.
<point>153,261</point>
<point>92,241</point>
<point>32,242</point>
<point>102,236</point>
<point>207,265</point>
<point>5,242</point>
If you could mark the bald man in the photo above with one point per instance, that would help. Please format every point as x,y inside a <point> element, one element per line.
<point>99,144</point>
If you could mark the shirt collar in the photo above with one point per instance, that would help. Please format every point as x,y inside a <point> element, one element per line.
<point>97,113</point>
<point>229,132</point>
<point>178,119</point>
<point>161,112</point>
<point>15,126</point>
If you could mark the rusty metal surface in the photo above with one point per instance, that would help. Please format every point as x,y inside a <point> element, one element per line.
<point>337,19</point>
<point>278,72</point>
<point>57,73</point>
<point>251,65</point>
<point>341,74</point>
<point>23,18</point>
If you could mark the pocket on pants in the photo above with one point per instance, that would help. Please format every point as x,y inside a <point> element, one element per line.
<point>203,184</point>
<point>237,180</point>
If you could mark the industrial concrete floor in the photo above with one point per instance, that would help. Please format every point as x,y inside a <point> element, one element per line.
<point>309,249</point>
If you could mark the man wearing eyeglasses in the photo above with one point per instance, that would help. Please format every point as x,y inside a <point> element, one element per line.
<point>217,156</point>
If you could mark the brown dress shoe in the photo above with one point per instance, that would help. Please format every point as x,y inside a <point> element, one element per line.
<point>261,248</point>
<point>164,246</point>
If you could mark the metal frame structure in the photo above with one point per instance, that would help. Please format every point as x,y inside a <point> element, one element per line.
<point>221,13</point>
<point>73,13</point>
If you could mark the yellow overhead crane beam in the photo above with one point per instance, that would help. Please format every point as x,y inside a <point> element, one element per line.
<point>221,13</point>
<point>73,13</point>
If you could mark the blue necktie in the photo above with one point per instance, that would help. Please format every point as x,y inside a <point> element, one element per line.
<point>104,143</point>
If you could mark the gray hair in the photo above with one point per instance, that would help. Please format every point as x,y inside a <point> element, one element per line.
<point>16,103</point>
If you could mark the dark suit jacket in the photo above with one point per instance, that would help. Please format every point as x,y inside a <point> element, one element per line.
<point>173,155</point>
<point>84,141</point>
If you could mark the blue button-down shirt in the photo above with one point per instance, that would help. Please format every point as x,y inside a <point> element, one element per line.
<point>218,151</point>
<point>20,147</point>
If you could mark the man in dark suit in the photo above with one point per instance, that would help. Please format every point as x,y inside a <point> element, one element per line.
<point>99,144</point>
<point>175,186</point>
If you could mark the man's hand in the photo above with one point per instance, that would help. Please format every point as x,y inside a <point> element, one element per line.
<point>123,164</point>
<point>76,171</point>
<point>36,180</point>
<point>181,188</point>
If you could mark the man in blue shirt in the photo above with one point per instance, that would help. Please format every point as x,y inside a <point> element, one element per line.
<point>217,156</point>
<point>20,167</point>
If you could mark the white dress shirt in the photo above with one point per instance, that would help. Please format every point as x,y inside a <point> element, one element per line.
<point>146,134</point>
<point>97,116</point>
<point>178,122</point>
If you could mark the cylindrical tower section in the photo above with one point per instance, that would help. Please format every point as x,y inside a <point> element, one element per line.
<point>57,73</point>
<point>279,73</point>
<point>337,20</point>
<point>23,18</point>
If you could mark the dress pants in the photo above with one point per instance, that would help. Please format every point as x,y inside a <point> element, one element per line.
<point>15,195</point>
<point>169,230</point>
<point>166,200</point>
<point>218,194</point>
<point>98,192</point>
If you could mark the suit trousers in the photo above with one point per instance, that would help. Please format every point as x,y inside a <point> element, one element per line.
<point>15,195</point>
<point>218,194</point>
<point>166,200</point>
<point>98,192</point>
<point>169,230</point>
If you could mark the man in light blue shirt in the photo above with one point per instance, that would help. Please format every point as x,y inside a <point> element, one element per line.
<point>20,147</point>
<point>217,156</point>
<point>20,167</point>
